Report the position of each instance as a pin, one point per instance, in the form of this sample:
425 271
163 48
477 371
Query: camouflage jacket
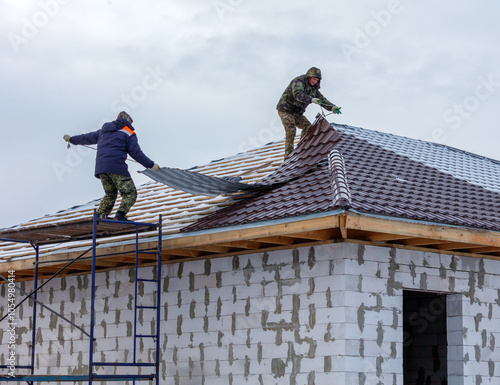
298 95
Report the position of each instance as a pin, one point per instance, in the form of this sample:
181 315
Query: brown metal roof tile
319 141
380 181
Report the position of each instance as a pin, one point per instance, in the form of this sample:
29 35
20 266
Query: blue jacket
114 141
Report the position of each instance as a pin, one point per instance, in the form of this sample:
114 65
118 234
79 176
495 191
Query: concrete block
330 378
175 284
454 326
383 254
298 287
319 269
435 283
431 271
170 270
488 295
316 364
406 257
119 330
279 257
254 291
268 304
366 268
454 305
492 267
325 316
373 318
373 285
354 282
338 298
232 278
201 281
355 299
455 379
195 267
318 299
230 307
330 283
223 264
353 331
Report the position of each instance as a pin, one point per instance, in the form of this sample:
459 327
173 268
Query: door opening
425 348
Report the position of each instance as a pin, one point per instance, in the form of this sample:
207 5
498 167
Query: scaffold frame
92 364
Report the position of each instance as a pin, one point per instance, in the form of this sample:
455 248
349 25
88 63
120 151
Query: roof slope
387 175
177 208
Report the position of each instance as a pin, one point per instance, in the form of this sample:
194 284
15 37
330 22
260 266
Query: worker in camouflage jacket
302 91
115 140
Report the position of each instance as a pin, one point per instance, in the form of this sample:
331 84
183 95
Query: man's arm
328 105
136 153
299 93
89 138
324 100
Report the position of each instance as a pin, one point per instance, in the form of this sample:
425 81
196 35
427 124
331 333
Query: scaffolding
77 231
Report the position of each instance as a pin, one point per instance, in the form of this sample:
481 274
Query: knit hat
124 115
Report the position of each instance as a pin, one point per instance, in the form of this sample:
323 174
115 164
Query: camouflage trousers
112 183
290 121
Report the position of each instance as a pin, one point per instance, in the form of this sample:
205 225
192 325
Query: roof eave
302 231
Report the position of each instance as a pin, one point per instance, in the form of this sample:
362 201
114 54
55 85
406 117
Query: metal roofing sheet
315 146
197 183
319 141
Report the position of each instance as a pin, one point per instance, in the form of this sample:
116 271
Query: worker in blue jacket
115 140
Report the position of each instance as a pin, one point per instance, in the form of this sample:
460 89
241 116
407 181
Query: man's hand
66 137
336 110
156 168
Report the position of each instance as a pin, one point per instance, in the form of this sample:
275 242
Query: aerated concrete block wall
330 314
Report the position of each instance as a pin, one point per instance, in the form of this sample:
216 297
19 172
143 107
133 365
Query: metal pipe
92 296
45 307
47 281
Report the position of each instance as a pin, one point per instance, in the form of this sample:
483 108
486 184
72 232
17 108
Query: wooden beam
421 242
454 246
247 245
277 240
423 230
102 262
211 249
386 237
180 253
318 235
484 250
252 233
342 226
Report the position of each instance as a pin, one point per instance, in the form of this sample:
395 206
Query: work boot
120 217
100 217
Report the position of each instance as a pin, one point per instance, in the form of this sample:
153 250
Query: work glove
156 168
336 110
66 137
316 101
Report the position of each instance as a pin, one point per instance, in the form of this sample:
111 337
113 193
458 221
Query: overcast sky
201 78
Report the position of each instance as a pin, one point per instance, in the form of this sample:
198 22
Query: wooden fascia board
422 230
252 232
